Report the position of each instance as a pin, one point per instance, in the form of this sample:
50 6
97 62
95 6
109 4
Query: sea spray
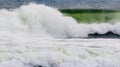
27 39
48 22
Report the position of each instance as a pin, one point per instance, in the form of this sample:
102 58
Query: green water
92 16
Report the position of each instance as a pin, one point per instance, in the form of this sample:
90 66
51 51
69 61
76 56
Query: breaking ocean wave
48 22
34 36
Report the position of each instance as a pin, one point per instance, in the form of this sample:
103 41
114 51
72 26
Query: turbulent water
35 36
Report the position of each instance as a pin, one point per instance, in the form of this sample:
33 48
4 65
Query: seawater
38 35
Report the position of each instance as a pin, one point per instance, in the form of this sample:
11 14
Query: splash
47 22
28 39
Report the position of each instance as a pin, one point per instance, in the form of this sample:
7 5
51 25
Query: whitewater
41 36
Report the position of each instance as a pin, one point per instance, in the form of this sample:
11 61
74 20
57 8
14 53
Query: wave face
29 37
47 22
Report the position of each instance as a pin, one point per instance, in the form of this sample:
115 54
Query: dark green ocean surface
93 15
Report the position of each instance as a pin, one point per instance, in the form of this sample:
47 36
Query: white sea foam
23 52
27 39
44 21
